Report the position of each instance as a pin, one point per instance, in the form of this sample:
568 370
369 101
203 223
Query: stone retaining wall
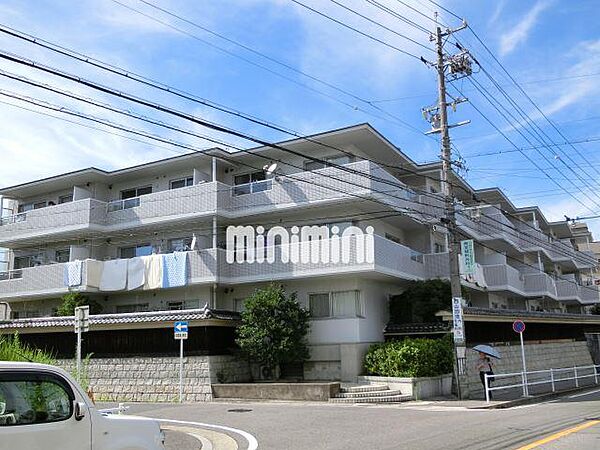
538 356
156 379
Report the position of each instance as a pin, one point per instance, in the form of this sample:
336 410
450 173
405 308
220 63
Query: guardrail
554 377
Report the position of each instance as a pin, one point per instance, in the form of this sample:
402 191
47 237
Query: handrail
552 380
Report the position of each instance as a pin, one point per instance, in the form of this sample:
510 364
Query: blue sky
551 47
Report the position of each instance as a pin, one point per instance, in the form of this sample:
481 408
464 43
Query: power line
391 118
380 25
362 33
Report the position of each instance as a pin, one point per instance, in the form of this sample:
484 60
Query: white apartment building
187 202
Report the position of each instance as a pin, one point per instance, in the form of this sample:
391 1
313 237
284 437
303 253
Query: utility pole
457 66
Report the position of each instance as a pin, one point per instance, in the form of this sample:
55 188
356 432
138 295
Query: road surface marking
209 439
252 442
585 393
560 434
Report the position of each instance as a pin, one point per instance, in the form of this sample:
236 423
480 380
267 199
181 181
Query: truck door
38 412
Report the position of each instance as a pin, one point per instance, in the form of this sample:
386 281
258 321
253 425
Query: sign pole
79 353
525 387
181 334
519 327
181 370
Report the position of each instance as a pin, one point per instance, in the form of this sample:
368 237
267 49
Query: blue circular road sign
518 326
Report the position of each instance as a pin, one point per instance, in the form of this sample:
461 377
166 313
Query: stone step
388 399
364 388
382 393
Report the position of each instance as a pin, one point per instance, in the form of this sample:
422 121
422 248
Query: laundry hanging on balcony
114 275
72 273
174 269
153 271
135 273
94 272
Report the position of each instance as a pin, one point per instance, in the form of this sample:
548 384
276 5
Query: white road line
584 394
252 442
206 444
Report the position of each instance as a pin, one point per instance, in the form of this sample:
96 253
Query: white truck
44 408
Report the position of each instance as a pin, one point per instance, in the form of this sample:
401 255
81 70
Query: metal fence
548 378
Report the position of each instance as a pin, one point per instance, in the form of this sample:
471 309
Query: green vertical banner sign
467 248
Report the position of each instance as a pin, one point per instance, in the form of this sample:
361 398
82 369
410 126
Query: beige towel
94 272
153 271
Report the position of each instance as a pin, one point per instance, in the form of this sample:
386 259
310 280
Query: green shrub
410 358
74 299
274 328
12 349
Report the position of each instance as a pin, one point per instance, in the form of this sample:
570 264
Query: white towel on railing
174 269
72 273
153 271
94 272
135 273
114 275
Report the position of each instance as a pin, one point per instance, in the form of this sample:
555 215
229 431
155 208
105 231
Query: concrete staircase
369 394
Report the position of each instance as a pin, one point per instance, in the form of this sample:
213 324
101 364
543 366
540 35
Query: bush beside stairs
378 393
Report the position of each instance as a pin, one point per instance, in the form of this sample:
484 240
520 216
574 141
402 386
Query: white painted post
486 387
524 373
596 374
180 370
79 349
552 379
576 379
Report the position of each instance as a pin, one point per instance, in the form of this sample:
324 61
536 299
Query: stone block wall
538 356
156 379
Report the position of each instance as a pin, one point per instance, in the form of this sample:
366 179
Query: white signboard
468 255
457 319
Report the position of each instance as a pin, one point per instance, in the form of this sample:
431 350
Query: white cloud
520 32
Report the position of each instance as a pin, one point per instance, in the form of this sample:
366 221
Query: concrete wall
538 357
148 379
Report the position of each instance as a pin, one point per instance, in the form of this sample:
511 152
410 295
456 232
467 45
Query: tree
274 328
74 299
420 302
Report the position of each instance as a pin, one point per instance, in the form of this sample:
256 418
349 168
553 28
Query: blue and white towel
174 269
114 275
72 274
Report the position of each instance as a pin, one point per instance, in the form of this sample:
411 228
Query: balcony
47 281
502 277
327 185
90 215
389 258
187 202
58 219
486 224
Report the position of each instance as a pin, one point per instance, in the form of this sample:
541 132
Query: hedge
410 358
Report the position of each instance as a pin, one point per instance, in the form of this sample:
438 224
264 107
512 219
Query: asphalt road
416 425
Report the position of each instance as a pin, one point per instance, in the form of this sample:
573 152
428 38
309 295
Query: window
239 304
65 199
135 251
29 206
180 244
135 192
250 183
336 304
393 238
62 255
34 398
138 307
182 182
335 160
438 248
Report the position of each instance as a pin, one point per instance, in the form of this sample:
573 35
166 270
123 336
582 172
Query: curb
534 399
